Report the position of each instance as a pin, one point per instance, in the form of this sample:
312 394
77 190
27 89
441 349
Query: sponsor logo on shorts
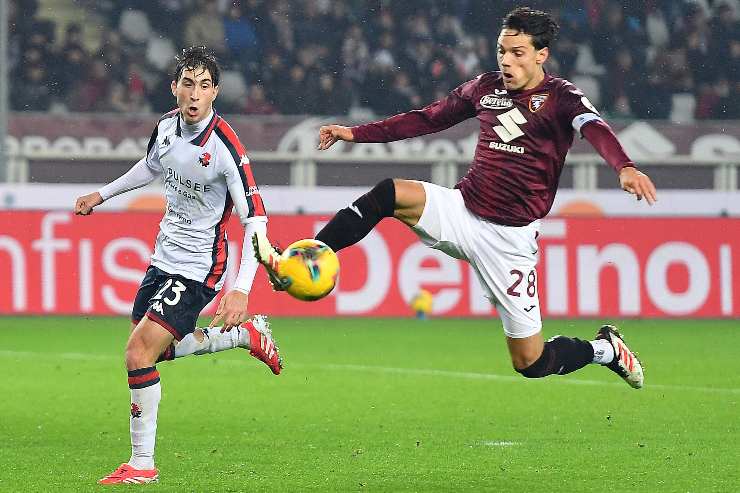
157 307
135 410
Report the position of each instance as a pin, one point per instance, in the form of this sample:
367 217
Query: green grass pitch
375 405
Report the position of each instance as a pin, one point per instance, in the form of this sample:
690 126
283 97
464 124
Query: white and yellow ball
311 267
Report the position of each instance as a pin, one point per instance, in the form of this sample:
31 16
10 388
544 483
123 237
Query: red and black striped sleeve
239 155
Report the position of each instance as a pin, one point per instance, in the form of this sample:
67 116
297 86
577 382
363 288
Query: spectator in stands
330 101
724 32
91 93
112 52
292 97
614 30
431 45
242 43
655 96
33 93
205 27
280 20
621 85
71 67
401 97
355 55
726 107
117 100
257 103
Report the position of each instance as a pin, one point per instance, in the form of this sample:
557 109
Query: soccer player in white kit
528 120
206 174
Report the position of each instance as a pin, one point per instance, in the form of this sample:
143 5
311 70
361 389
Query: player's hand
232 310
85 204
330 134
637 183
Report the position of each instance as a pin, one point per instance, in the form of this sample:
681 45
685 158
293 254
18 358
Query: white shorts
503 257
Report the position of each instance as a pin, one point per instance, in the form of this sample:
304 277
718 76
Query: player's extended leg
254 335
559 355
535 358
402 199
145 344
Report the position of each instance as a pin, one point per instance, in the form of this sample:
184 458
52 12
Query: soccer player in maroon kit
528 119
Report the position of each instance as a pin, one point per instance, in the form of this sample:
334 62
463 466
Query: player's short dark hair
197 57
538 24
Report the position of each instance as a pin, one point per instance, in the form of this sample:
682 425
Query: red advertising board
58 263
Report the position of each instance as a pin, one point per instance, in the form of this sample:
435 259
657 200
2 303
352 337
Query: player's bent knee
137 352
410 200
521 361
136 357
536 369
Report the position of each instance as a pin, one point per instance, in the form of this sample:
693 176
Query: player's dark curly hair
538 24
197 57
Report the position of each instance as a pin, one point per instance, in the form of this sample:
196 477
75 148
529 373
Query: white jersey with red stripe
206 173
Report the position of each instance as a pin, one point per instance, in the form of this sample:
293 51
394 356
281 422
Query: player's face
519 61
195 93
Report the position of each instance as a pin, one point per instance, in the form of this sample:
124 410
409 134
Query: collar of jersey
202 137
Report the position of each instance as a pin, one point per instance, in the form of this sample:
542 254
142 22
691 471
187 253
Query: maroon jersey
524 137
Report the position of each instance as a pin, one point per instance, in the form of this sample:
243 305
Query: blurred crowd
650 59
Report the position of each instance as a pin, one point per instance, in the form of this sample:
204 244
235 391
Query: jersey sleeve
440 115
575 109
246 197
152 151
143 172
237 172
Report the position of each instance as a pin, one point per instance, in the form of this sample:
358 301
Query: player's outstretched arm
85 204
330 134
601 136
638 184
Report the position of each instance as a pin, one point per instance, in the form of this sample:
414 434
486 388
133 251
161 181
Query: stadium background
88 78
372 399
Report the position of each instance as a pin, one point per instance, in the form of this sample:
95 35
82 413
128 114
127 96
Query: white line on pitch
399 371
508 378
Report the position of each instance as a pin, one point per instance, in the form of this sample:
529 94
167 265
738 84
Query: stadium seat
232 87
160 52
134 26
684 104
590 87
585 62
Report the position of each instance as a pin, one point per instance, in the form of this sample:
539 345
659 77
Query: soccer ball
310 268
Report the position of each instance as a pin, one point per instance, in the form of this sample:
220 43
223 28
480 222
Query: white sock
143 421
603 351
213 341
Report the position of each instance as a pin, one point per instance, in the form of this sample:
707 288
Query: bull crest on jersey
537 101
205 159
